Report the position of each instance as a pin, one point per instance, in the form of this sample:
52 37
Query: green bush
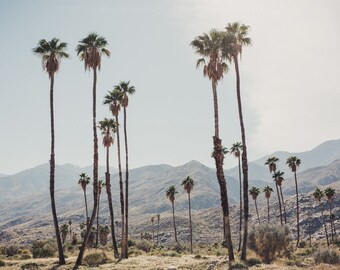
30 266
11 250
270 241
198 256
2 263
253 261
95 259
44 249
237 266
144 245
302 244
330 256
131 242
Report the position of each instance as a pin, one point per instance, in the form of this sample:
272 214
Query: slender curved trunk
126 187
219 157
241 205
52 173
331 220
157 232
257 213
86 210
109 199
279 197
121 188
268 210
153 232
283 206
97 234
190 223
244 163
297 211
324 223
95 175
173 218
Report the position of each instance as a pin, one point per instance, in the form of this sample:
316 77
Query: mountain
322 155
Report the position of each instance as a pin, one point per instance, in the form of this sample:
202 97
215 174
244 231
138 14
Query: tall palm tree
158 219
271 162
170 194
113 99
236 37
101 184
267 192
64 232
51 52
318 194
153 231
108 128
90 50
254 192
84 180
209 47
293 163
125 89
278 178
188 184
236 151
330 193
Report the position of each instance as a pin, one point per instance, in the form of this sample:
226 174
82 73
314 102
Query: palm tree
236 151
278 178
209 47
113 99
188 185
330 193
125 89
158 219
90 50
70 224
101 184
153 233
103 233
170 194
108 128
235 38
51 52
84 180
271 162
267 192
318 194
64 231
254 192
293 163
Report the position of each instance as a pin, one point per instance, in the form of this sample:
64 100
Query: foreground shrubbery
95 259
325 255
270 241
2 263
44 249
144 245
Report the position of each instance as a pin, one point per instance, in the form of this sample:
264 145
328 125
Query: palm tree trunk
257 212
153 233
244 163
52 169
95 174
331 221
157 232
97 234
126 186
324 224
173 218
268 210
109 199
86 210
123 240
283 205
219 157
241 205
279 197
297 211
190 223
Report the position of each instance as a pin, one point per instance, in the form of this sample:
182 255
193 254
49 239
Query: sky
289 79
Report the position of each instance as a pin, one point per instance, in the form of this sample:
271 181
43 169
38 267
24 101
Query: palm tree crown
91 49
171 192
124 89
113 99
188 184
84 180
254 192
51 52
267 191
236 149
278 177
271 162
318 194
330 193
107 127
209 46
293 163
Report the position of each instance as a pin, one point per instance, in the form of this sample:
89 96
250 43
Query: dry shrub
144 245
44 249
95 259
270 241
2 263
325 255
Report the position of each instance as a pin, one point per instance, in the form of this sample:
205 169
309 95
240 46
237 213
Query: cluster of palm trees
329 193
188 185
90 50
218 49
153 218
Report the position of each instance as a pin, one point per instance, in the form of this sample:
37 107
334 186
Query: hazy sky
290 79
